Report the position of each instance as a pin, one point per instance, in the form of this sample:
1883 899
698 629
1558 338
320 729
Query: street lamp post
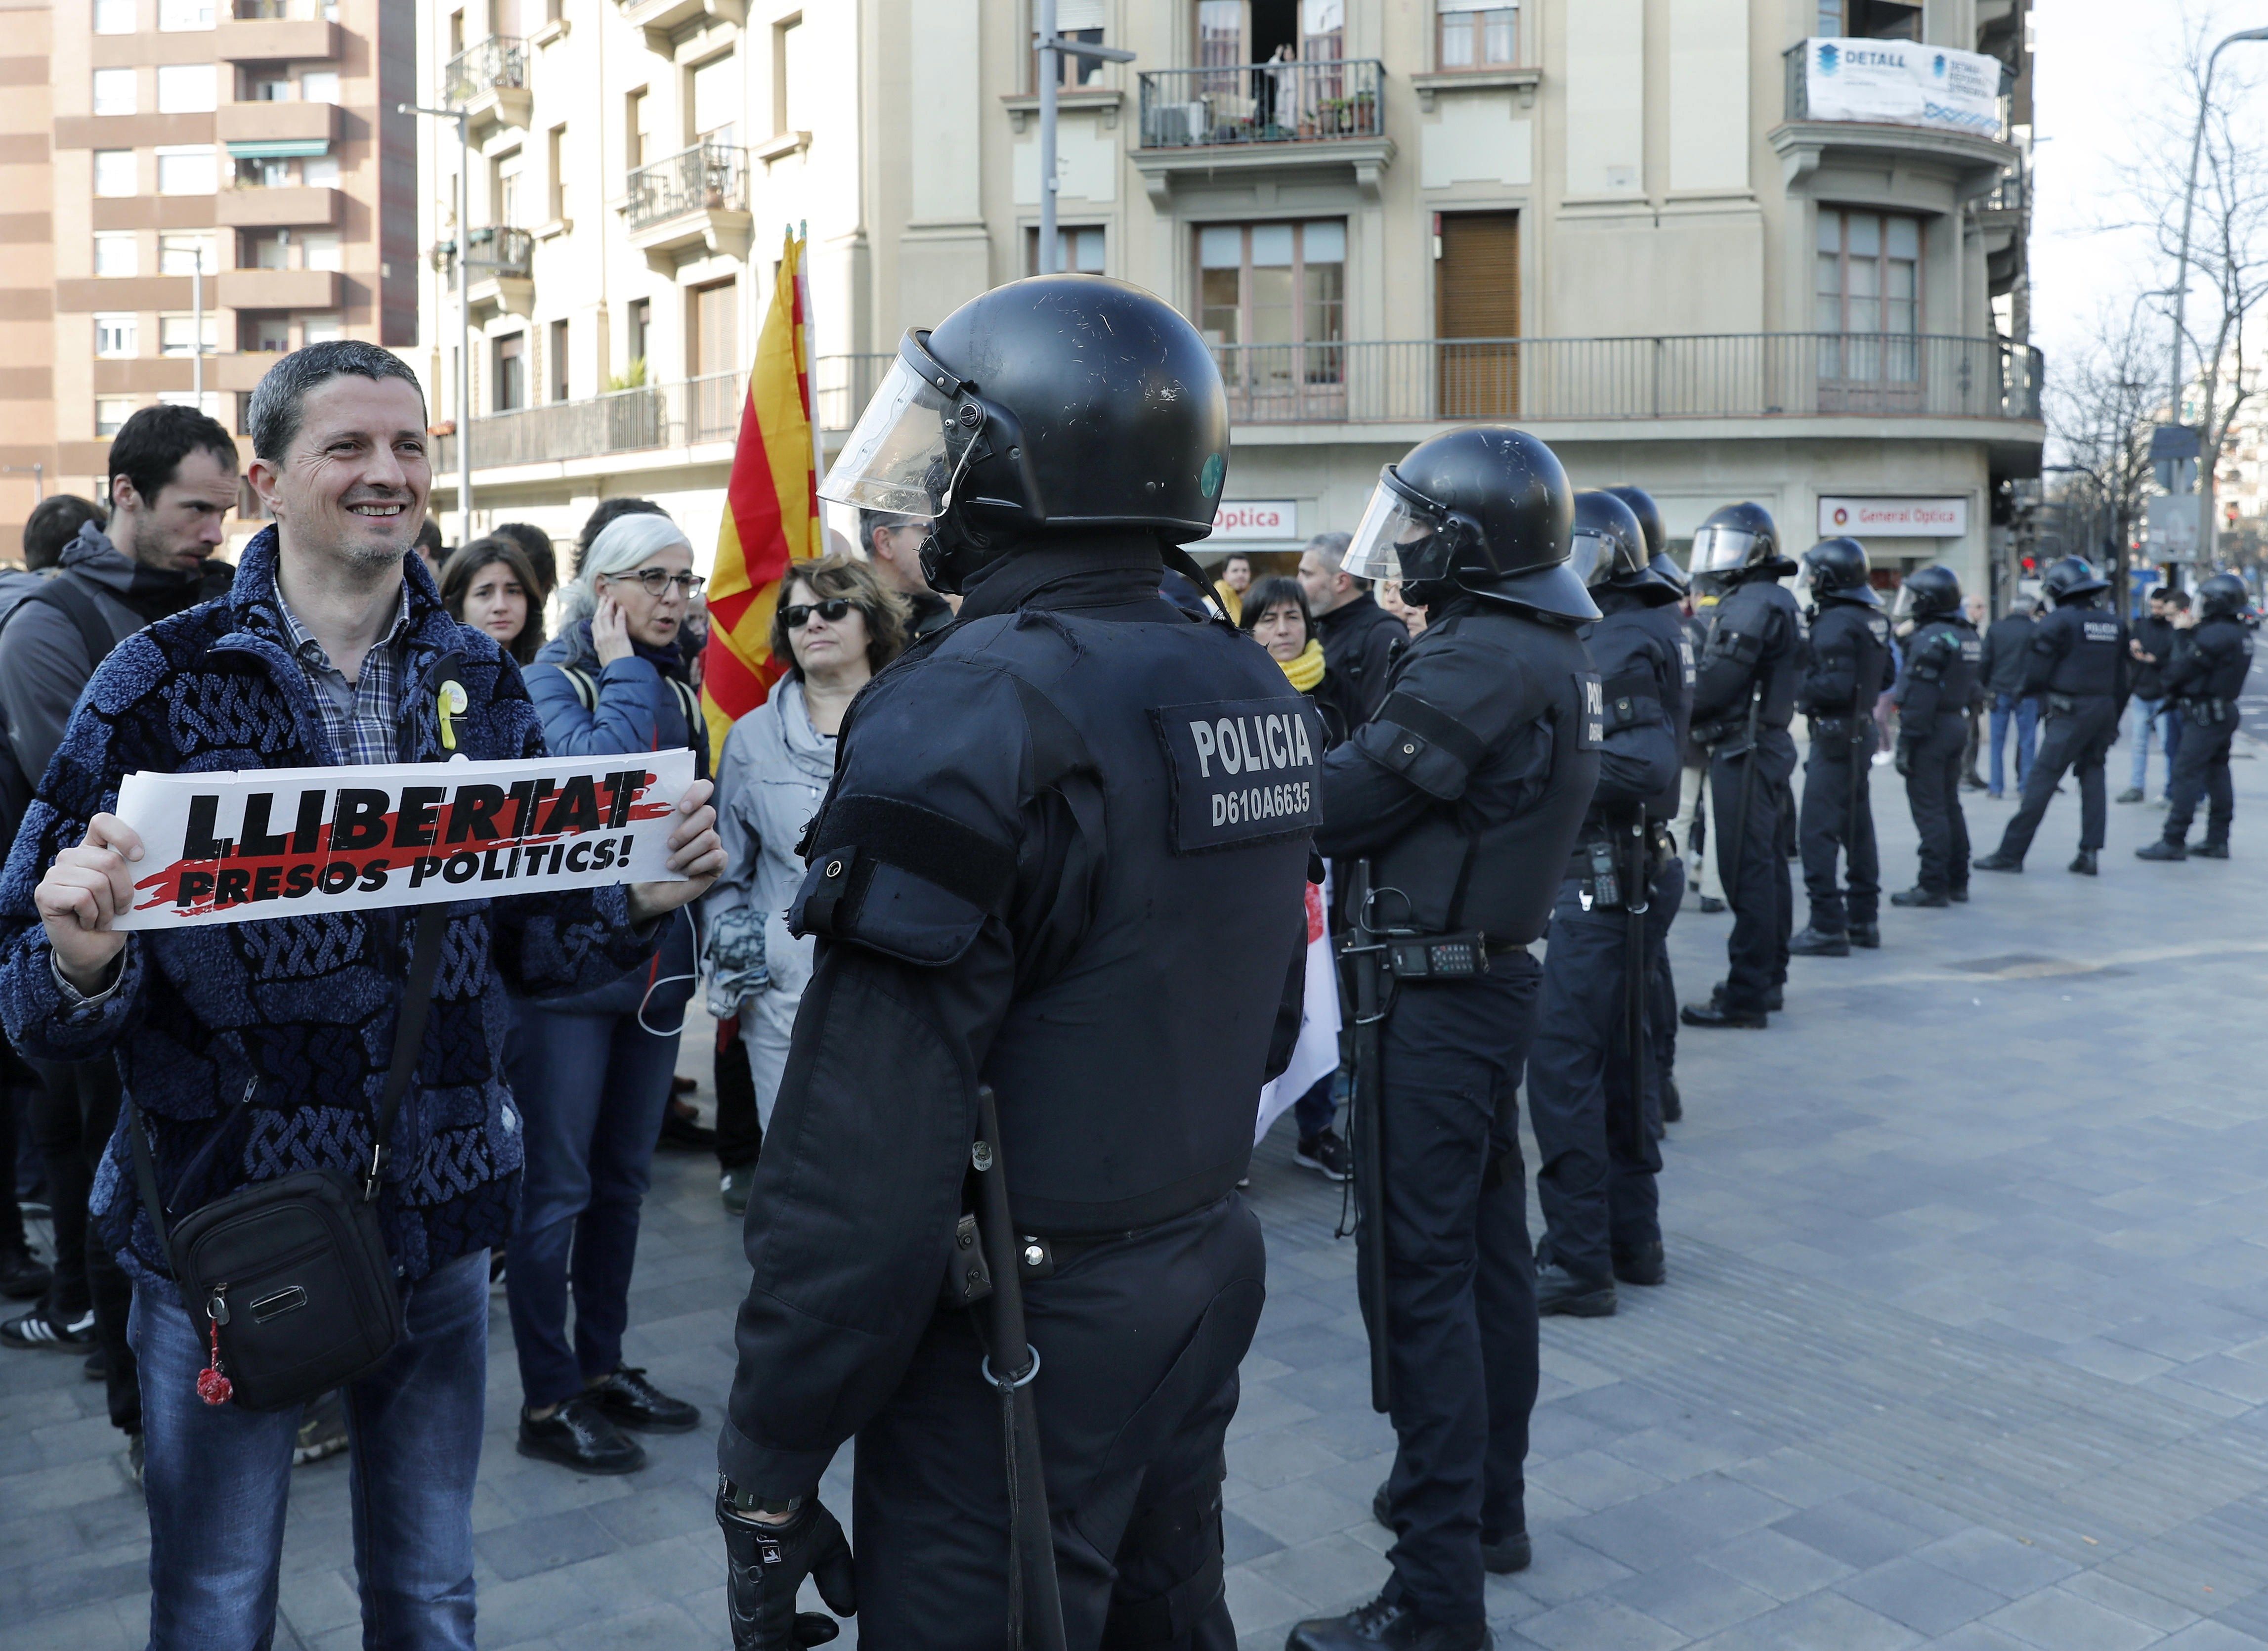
464 309
1053 49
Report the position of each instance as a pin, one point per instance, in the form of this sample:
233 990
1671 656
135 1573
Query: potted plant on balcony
1365 114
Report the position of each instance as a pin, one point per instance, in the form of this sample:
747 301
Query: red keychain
213 1386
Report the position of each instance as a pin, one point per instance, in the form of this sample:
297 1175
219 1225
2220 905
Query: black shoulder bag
291 1275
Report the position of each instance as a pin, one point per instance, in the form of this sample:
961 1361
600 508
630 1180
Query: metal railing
286 11
1735 375
499 62
650 416
1262 103
496 250
708 177
1798 58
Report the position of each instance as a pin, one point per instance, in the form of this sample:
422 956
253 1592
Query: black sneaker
1501 1556
1812 941
2210 852
579 1435
1868 935
97 1368
1640 1264
1327 1155
1919 897
322 1429
21 1277
2133 793
2161 850
36 1331
629 1400
1996 861
1560 1291
2083 864
1710 905
1391 1623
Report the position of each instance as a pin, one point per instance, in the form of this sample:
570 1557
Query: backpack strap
586 692
68 593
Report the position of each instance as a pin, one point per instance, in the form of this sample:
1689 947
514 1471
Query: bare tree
2099 410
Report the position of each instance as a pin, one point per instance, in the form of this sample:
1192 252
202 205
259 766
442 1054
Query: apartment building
27 422
1724 249
221 180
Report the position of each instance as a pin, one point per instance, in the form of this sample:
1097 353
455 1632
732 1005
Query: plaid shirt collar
362 718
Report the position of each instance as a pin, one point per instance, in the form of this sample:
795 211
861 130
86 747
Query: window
1870 19
113 92
269 89
111 413
115 255
715 100
320 249
177 334
1256 30
188 169
560 379
114 17
511 388
641 331
185 14
1272 283
319 172
1478 34
1075 20
639 142
1866 289
263 335
209 403
271 250
116 335
503 191
113 172
791 77
187 89
186 254
320 85
321 329
560 214
1078 250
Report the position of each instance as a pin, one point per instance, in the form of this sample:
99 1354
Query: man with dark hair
53 523
2151 647
541 556
259 1050
892 544
1359 638
430 548
604 512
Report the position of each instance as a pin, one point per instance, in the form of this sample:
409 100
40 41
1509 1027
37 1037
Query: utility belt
1727 729
2207 713
968 1275
1424 959
1600 867
1843 724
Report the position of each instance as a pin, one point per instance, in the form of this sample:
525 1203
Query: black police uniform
1467 790
1597 1157
1943 679
2204 676
1668 896
1851 666
1755 653
1085 888
2078 668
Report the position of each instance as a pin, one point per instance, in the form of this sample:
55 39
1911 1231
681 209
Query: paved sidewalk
1966 1341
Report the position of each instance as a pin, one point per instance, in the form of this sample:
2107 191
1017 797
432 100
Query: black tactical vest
2226 645
1959 661
1764 611
2090 664
1668 624
1642 680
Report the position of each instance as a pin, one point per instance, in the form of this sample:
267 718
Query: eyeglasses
657 581
834 610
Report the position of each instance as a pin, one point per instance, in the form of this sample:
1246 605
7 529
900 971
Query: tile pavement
1966 1343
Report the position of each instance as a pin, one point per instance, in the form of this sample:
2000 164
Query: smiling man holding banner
316 1156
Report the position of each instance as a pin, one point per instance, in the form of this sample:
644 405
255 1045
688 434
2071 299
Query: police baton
1365 951
1034 1600
1638 900
1740 843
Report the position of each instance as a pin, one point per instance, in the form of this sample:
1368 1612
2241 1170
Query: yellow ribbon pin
453 702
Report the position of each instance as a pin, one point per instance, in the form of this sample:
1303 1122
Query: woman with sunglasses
835 626
592 1073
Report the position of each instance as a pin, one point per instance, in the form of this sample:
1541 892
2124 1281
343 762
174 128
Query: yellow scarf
1229 599
1307 669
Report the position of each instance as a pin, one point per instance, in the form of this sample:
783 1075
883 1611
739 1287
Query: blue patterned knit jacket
254 1049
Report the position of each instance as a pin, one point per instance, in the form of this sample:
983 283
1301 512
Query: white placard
1894 518
1256 518
1902 83
275 843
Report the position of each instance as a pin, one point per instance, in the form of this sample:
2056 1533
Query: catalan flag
771 509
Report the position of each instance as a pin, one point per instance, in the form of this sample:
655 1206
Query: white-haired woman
592 1073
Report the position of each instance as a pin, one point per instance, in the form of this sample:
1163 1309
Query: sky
2106 74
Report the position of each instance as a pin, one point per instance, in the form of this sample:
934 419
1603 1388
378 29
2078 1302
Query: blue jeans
2025 710
1318 1110
2161 715
217 1476
592 1089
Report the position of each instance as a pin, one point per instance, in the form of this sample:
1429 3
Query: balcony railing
1738 375
708 177
1262 103
286 11
497 251
1798 59
498 63
681 415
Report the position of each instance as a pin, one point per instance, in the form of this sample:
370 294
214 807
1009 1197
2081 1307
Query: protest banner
239 846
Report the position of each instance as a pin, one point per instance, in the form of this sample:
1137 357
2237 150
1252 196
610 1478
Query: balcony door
712 360
1274 68
1271 300
1866 308
1476 301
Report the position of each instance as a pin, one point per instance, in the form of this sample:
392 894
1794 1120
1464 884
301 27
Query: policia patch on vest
1243 770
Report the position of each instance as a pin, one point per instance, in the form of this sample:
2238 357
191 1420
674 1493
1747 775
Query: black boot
1393 1623
2084 864
2210 852
21 1277
1640 1264
1775 997
1959 896
1920 897
1997 862
2161 850
1714 1013
1813 942
1560 1291
1673 1104
1710 903
1867 934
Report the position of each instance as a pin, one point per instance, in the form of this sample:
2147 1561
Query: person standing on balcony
892 544
1360 639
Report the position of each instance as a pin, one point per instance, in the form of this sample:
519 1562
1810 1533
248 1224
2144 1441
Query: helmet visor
1592 558
1393 541
897 458
1723 549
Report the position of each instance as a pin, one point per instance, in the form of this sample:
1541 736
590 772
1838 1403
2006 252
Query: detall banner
1902 83
277 842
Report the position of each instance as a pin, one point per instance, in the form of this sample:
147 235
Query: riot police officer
1944 679
1055 930
1743 700
2213 655
1850 665
1464 796
2078 664
1590 1097
1669 622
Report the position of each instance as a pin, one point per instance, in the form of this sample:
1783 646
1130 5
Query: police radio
1438 956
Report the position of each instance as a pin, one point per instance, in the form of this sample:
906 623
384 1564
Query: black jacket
2159 639
1943 674
1642 674
2211 660
1851 662
2007 646
1757 641
1361 640
2081 652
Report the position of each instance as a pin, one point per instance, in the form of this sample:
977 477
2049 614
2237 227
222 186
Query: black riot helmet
1740 542
2072 579
1932 590
2222 595
1061 402
1610 551
1838 571
1486 509
1657 537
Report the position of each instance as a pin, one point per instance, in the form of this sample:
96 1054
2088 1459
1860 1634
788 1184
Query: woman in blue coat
592 1073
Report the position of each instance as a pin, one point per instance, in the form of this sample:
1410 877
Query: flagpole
811 376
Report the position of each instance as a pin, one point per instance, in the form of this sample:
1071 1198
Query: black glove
766 1563
1904 760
